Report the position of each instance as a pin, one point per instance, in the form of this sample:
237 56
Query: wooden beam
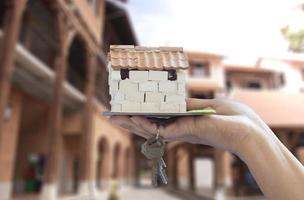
12 24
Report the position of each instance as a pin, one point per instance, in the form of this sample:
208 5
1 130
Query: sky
241 29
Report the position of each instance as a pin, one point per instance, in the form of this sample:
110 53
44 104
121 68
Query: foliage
295 39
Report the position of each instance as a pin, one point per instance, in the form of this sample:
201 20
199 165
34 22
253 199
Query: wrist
258 143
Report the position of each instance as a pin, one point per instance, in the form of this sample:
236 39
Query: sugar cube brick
128 86
115 75
174 98
138 75
135 96
128 106
158 75
148 86
150 107
167 86
155 97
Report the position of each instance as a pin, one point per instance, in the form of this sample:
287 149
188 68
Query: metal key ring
157 132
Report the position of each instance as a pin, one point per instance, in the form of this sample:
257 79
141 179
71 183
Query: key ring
157 132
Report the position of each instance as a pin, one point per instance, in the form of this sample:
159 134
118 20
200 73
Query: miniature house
144 79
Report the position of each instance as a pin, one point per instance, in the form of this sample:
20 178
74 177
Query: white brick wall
119 97
155 97
150 107
174 98
129 106
148 86
127 86
115 107
115 75
167 86
139 75
135 96
114 86
158 75
169 107
147 91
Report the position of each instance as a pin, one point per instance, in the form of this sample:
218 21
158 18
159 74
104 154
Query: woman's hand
234 127
230 128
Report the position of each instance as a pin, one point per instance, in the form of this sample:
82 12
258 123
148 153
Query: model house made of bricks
145 79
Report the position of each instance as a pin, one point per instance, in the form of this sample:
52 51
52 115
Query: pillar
222 178
192 151
172 167
8 149
136 164
87 184
50 190
12 24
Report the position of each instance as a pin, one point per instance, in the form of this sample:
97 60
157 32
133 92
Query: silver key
162 171
154 149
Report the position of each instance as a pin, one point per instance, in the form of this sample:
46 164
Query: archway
116 159
76 73
101 165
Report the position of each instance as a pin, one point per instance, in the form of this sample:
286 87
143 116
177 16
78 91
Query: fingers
193 104
222 106
178 129
126 122
145 124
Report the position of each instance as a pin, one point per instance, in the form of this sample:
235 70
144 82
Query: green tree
295 39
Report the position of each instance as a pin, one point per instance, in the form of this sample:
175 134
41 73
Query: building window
124 74
201 69
254 85
172 76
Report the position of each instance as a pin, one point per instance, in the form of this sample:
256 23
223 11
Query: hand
231 128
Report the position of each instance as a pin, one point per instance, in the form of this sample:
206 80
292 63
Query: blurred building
53 89
273 87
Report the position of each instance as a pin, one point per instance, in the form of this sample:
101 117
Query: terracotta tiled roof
277 108
147 58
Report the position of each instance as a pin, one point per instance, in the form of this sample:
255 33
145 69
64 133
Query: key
154 149
162 171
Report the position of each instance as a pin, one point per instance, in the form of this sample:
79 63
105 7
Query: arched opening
116 159
38 31
76 73
101 167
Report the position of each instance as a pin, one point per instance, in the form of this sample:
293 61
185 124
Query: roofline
205 55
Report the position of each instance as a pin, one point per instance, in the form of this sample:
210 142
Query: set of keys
154 149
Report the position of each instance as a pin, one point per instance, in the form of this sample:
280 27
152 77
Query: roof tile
145 58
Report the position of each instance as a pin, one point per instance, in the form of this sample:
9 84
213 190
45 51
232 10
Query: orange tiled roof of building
276 108
147 58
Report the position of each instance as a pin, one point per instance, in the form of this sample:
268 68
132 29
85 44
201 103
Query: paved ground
145 194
